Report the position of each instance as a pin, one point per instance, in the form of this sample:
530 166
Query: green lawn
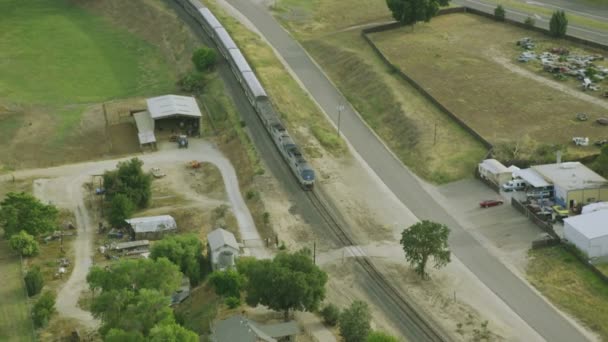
53 52
570 285
15 324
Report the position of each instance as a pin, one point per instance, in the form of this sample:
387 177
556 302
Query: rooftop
494 166
145 127
220 238
152 223
571 175
132 244
239 328
172 105
592 225
531 177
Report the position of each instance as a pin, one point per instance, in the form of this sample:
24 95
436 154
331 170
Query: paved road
525 302
541 20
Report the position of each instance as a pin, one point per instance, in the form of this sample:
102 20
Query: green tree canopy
378 336
34 281
121 208
601 162
172 333
134 274
409 12
186 251
119 335
227 283
558 25
43 309
288 282
130 180
423 240
499 13
204 58
355 322
21 211
24 244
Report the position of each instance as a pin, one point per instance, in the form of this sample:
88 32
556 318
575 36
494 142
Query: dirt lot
460 60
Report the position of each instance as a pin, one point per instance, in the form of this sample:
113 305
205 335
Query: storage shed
151 227
223 249
494 171
589 233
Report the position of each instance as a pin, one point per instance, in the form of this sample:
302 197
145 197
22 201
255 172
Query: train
254 91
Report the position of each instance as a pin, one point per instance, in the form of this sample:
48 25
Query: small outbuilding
494 171
223 249
239 328
151 227
589 233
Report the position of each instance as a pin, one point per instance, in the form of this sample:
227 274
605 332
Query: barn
223 249
589 232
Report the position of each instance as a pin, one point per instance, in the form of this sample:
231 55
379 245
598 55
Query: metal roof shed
168 106
220 238
589 232
145 127
151 227
225 38
239 60
210 18
254 85
531 177
223 249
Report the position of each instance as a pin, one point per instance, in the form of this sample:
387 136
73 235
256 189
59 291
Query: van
514 185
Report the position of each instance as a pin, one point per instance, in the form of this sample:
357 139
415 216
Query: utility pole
340 109
314 252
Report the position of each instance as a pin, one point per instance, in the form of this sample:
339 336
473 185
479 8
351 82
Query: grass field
466 63
424 138
566 282
15 323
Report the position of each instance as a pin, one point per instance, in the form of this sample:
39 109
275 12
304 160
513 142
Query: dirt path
63 186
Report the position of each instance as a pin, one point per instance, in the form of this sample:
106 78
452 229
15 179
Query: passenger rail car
253 89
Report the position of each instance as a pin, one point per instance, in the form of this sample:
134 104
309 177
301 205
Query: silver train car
256 94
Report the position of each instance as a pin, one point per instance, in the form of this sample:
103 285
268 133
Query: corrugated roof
172 105
220 238
152 223
132 244
494 166
145 127
592 225
238 328
254 84
531 177
571 175
239 60
225 38
210 18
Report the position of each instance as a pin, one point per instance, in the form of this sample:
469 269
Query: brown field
468 63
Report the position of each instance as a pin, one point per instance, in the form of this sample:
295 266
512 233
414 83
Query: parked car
560 211
514 185
490 203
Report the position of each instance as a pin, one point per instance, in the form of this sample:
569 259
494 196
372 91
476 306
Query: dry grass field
468 63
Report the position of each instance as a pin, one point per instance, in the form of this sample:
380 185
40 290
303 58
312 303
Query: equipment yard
469 64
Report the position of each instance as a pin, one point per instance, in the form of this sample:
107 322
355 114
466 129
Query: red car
490 203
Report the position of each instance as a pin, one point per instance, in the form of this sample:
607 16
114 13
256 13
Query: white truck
514 185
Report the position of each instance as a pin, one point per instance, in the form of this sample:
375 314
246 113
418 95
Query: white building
223 249
589 233
151 227
494 171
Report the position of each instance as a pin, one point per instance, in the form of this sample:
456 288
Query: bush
34 281
204 58
530 22
227 283
121 208
499 13
378 336
24 244
43 309
558 24
130 180
193 82
330 314
355 322
233 302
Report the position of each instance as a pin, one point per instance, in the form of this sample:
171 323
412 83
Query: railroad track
422 330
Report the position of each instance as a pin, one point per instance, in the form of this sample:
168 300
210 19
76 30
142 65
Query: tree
423 240
193 82
226 283
378 336
499 13
33 281
121 208
24 244
288 282
130 180
409 12
21 211
355 322
172 333
601 162
530 22
186 251
204 58
331 314
558 24
119 335
43 309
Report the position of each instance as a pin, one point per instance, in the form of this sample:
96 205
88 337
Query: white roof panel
152 223
239 60
531 177
172 105
254 84
571 175
210 18
225 38
220 238
145 127
494 166
592 225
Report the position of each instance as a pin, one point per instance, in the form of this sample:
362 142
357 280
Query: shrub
226 283
121 208
193 82
233 302
558 24
24 244
43 309
355 322
34 281
330 314
204 58
378 336
499 13
530 22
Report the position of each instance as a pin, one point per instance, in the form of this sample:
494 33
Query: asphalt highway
523 300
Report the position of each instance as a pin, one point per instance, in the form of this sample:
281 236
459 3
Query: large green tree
43 309
121 208
355 322
423 240
186 251
601 162
24 244
288 282
409 12
33 281
119 335
227 283
172 333
558 25
130 180
21 211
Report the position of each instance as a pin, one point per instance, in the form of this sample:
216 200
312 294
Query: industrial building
589 233
151 227
223 249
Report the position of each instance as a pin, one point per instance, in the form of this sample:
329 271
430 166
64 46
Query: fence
545 226
585 261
